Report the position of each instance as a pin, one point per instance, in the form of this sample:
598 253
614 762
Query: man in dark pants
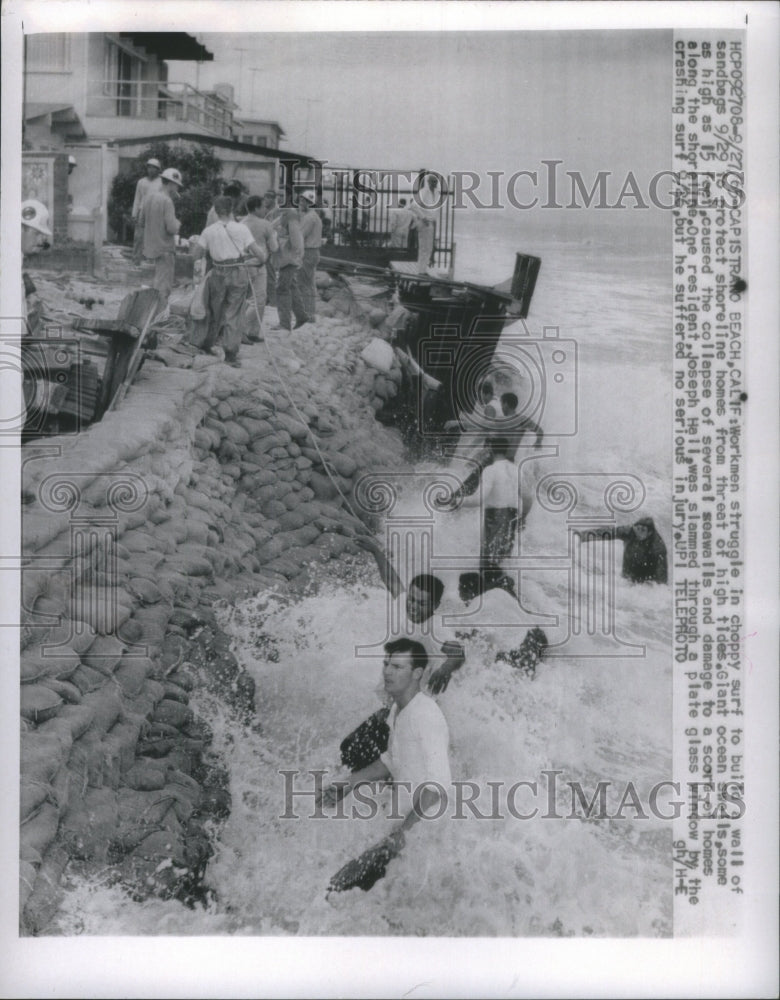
287 261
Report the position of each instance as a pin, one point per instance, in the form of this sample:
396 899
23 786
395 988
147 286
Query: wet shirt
158 216
499 487
644 561
418 748
226 240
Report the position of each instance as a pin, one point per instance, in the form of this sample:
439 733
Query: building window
122 76
48 52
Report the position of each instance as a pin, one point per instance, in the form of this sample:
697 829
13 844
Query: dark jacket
643 561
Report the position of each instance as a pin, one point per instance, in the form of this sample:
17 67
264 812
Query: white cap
154 163
310 196
172 174
72 161
36 216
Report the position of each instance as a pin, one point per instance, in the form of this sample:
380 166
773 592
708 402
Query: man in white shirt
416 760
227 242
424 208
145 186
400 221
499 498
232 190
265 237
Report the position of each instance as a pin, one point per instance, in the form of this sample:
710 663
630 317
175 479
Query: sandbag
42 755
39 829
104 654
77 718
102 609
130 632
343 464
145 777
297 430
323 487
72 634
237 434
87 679
131 674
181 678
38 703
304 535
27 876
107 707
160 844
42 903
89 824
145 590
139 807
174 692
189 566
173 713
35 665
379 354
225 410
120 745
69 693
32 795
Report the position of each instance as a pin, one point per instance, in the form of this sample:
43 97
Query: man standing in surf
416 760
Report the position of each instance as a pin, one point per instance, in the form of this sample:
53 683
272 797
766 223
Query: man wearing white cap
145 186
35 235
35 226
160 226
304 284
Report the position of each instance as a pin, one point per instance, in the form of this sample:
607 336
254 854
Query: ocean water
594 716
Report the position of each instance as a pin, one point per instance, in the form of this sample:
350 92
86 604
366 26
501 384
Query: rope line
300 416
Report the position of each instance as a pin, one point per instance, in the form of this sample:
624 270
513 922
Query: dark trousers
498 534
365 744
227 294
288 297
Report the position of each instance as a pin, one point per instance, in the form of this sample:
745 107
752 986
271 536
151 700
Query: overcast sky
458 100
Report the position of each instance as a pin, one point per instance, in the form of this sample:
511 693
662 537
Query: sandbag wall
203 482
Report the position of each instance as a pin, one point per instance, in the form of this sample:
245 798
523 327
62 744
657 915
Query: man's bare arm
455 658
389 576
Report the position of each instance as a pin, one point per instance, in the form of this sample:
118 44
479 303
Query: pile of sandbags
207 479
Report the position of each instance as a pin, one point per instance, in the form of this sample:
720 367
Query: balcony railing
154 99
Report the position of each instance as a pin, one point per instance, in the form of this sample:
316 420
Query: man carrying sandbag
227 243
416 760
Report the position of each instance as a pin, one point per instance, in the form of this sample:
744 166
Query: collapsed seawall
207 483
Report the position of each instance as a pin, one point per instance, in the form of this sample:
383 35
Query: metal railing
161 100
362 207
